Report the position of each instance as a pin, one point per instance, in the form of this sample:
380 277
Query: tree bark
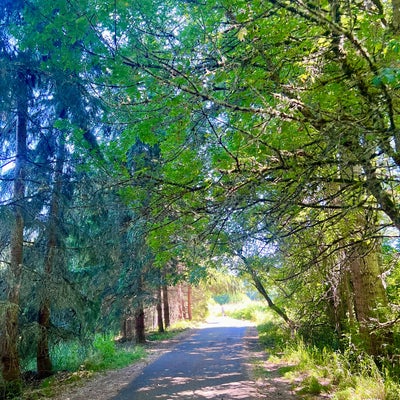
140 336
370 298
9 350
44 364
160 321
127 328
261 289
167 318
181 300
189 299
43 360
179 295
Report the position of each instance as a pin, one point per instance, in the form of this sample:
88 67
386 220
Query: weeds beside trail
320 370
75 362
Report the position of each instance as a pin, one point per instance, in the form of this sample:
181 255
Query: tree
52 257
10 358
273 138
228 124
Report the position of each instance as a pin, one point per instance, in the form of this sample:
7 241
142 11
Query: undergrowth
106 355
345 375
74 361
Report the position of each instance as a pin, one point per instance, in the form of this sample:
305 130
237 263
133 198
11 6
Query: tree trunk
167 319
370 300
140 336
189 299
128 333
261 289
43 360
9 345
179 294
340 299
181 300
160 321
44 364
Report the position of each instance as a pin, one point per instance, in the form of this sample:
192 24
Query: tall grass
347 375
252 311
101 354
172 331
69 356
105 354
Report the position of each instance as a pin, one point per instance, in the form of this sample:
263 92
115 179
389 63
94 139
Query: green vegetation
348 374
157 154
74 361
106 355
251 311
102 354
175 329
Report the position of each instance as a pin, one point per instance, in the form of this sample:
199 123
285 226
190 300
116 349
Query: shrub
311 385
106 355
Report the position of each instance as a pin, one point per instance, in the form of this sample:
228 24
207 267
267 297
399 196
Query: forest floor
266 375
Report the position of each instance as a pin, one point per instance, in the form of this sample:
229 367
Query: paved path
210 364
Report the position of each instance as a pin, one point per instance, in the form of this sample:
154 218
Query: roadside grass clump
171 332
158 336
103 353
69 356
392 389
311 385
106 355
65 356
253 311
346 375
327 370
273 336
363 388
74 361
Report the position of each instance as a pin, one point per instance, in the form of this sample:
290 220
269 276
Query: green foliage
253 311
222 298
105 357
222 128
273 335
364 388
392 389
102 354
311 385
346 375
175 329
10 390
69 356
105 354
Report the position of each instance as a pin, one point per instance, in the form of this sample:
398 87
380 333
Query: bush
273 336
68 356
254 311
311 385
351 374
106 355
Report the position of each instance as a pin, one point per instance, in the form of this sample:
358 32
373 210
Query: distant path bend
209 364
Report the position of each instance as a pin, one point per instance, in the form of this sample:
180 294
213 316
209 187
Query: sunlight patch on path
221 322
239 390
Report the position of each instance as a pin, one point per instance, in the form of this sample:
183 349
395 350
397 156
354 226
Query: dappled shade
209 365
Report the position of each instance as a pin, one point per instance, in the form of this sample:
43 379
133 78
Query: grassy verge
348 375
172 331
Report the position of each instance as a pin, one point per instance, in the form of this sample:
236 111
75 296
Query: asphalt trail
209 364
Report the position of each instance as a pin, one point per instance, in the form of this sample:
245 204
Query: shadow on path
210 364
